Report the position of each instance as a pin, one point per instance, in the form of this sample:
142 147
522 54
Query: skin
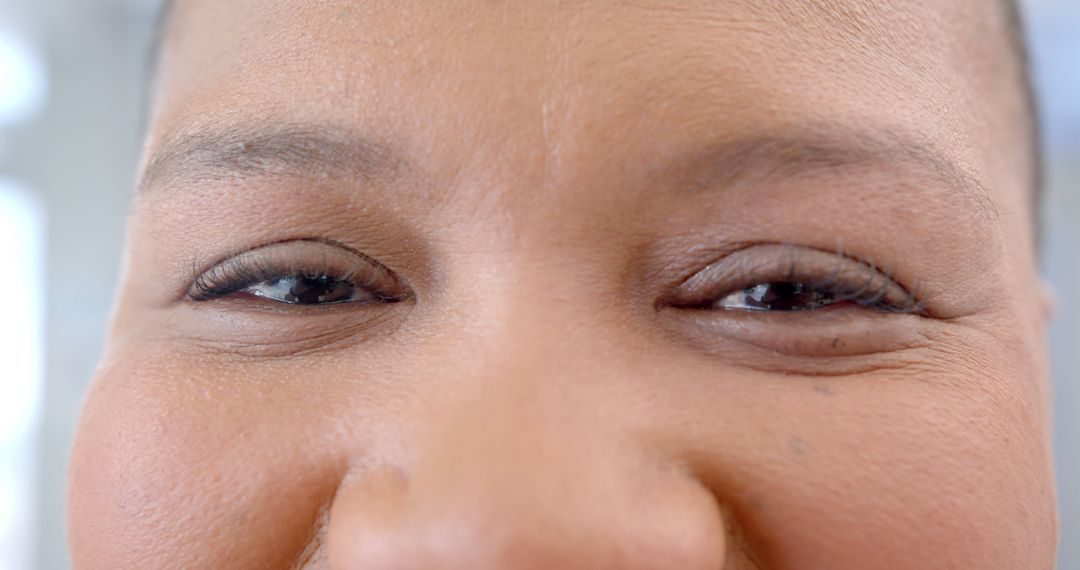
553 190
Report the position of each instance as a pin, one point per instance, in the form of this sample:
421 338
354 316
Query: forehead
541 80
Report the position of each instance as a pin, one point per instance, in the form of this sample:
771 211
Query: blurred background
71 79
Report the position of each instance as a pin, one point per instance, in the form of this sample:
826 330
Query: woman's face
590 285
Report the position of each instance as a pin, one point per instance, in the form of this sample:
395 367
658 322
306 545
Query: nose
485 494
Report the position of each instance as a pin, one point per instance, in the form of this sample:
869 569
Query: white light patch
21 328
23 81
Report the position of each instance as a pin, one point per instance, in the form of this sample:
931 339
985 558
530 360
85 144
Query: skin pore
636 285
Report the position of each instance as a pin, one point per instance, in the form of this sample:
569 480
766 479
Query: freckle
835 342
798 446
753 502
823 389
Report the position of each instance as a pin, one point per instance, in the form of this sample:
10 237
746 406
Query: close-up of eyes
788 278
301 273
764 278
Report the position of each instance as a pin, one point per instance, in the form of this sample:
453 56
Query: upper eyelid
787 261
314 240
247 261
787 258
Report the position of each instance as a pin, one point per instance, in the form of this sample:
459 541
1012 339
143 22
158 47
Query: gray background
78 156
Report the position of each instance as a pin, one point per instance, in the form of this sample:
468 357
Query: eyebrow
219 152
759 159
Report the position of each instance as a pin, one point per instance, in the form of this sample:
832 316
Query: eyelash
849 280
251 268
823 295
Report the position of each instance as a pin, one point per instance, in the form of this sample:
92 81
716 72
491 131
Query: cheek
935 463
930 469
166 470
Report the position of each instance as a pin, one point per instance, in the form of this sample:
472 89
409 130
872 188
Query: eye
311 290
301 272
783 278
779 296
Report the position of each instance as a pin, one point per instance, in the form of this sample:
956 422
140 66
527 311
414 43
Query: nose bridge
519 430
521 468
530 423
523 455
531 338
517 421
549 307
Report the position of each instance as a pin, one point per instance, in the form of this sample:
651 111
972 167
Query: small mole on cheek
797 445
823 389
753 502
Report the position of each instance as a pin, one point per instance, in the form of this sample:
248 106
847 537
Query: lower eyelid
264 330
246 302
839 332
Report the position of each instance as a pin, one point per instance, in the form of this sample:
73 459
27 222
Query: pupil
786 296
320 289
